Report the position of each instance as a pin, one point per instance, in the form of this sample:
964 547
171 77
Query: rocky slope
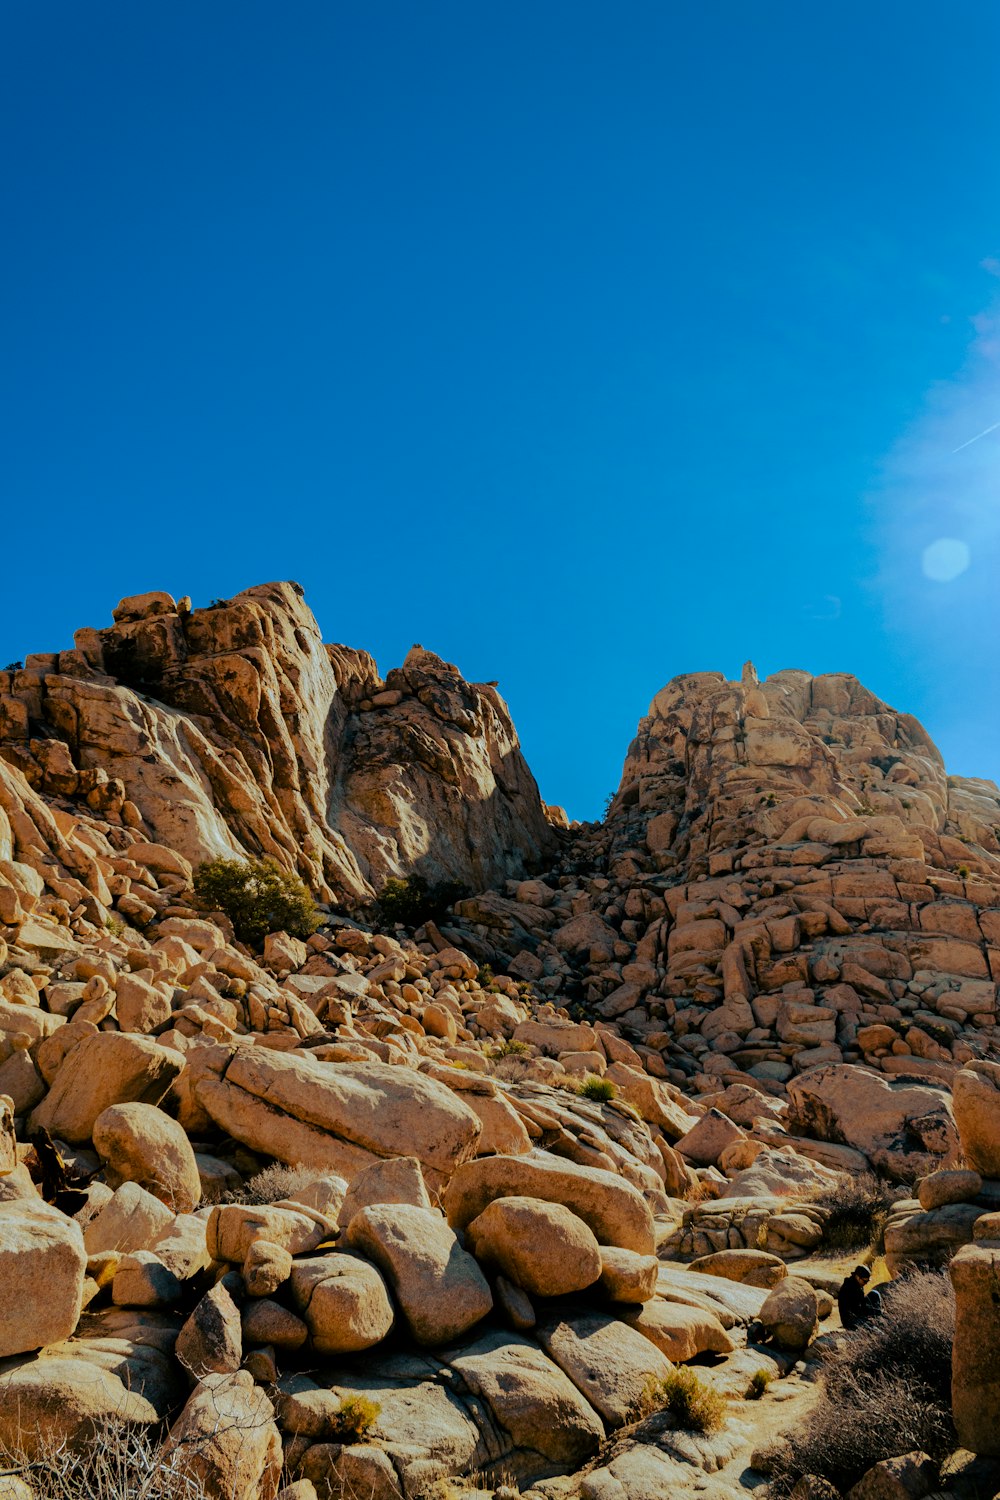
234 729
497 1176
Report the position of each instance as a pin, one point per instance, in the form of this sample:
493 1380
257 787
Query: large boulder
104 1069
211 1340
397 1180
541 1247
139 1143
790 1315
344 1302
610 1364
226 1440
614 1209
975 1361
42 1268
751 1267
976 1101
234 1227
530 1397
72 1392
379 1110
438 1285
680 1332
905 1129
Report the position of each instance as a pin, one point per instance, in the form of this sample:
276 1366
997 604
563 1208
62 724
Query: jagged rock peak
234 729
716 765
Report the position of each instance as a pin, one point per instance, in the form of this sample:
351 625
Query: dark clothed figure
855 1306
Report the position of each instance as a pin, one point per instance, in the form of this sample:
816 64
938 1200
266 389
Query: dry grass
886 1392
124 1464
274 1183
691 1402
601 1090
857 1209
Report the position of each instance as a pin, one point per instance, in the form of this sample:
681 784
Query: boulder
975 1365
976 1101
266 1267
131 1220
42 1268
909 1477
139 1143
383 1110
210 1342
71 1395
790 1315
705 1142
955 1186
679 1331
616 1211
610 1364
530 1397
226 1440
627 1277
106 1068
343 1300
234 1227
541 1247
397 1180
751 1267
904 1128
142 1280
439 1287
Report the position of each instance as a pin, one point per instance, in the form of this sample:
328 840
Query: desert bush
270 1185
759 1382
857 1210
886 1391
355 1419
413 901
506 1047
690 1400
597 1088
122 1463
258 897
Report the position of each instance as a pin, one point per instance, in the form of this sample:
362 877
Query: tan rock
610 1364
42 1267
397 1180
104 1069
975 1369
234 1227
226 1440
541 1247
751 1267
139 1143
132 1219
956 1186
615 1211
976 1101
439 1287
679 1331
791 1313
344 1302
627 1277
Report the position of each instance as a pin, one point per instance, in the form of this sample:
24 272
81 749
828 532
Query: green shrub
690 1401
594 1087
413 901
962 872
858 1208
506 1047
115 924
355 1419
258 897
14 666
759 1382
887 1391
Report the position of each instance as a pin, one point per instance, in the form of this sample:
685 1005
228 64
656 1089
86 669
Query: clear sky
583 343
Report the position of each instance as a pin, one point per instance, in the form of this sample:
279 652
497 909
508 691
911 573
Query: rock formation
409 1206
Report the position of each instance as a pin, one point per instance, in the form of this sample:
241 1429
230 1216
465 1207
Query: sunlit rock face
234 729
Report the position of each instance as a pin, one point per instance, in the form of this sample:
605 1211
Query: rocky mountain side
233 729
548 1194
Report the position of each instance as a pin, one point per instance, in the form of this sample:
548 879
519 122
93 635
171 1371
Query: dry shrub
857 1210
122 1463
691 1402
270 1185
594 1087
887 1391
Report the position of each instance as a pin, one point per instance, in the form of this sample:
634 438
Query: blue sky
585 344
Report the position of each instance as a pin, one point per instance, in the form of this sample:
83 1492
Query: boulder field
394 1208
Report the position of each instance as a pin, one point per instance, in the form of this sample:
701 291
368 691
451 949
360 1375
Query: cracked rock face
234 730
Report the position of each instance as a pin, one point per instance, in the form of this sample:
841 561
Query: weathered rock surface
42 1267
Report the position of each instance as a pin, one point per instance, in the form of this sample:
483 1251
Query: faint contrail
984 433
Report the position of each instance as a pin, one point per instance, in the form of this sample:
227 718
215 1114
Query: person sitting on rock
855 1306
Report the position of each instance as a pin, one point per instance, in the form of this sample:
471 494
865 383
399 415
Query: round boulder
956 1186
791 1314
139 1143
542 1247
